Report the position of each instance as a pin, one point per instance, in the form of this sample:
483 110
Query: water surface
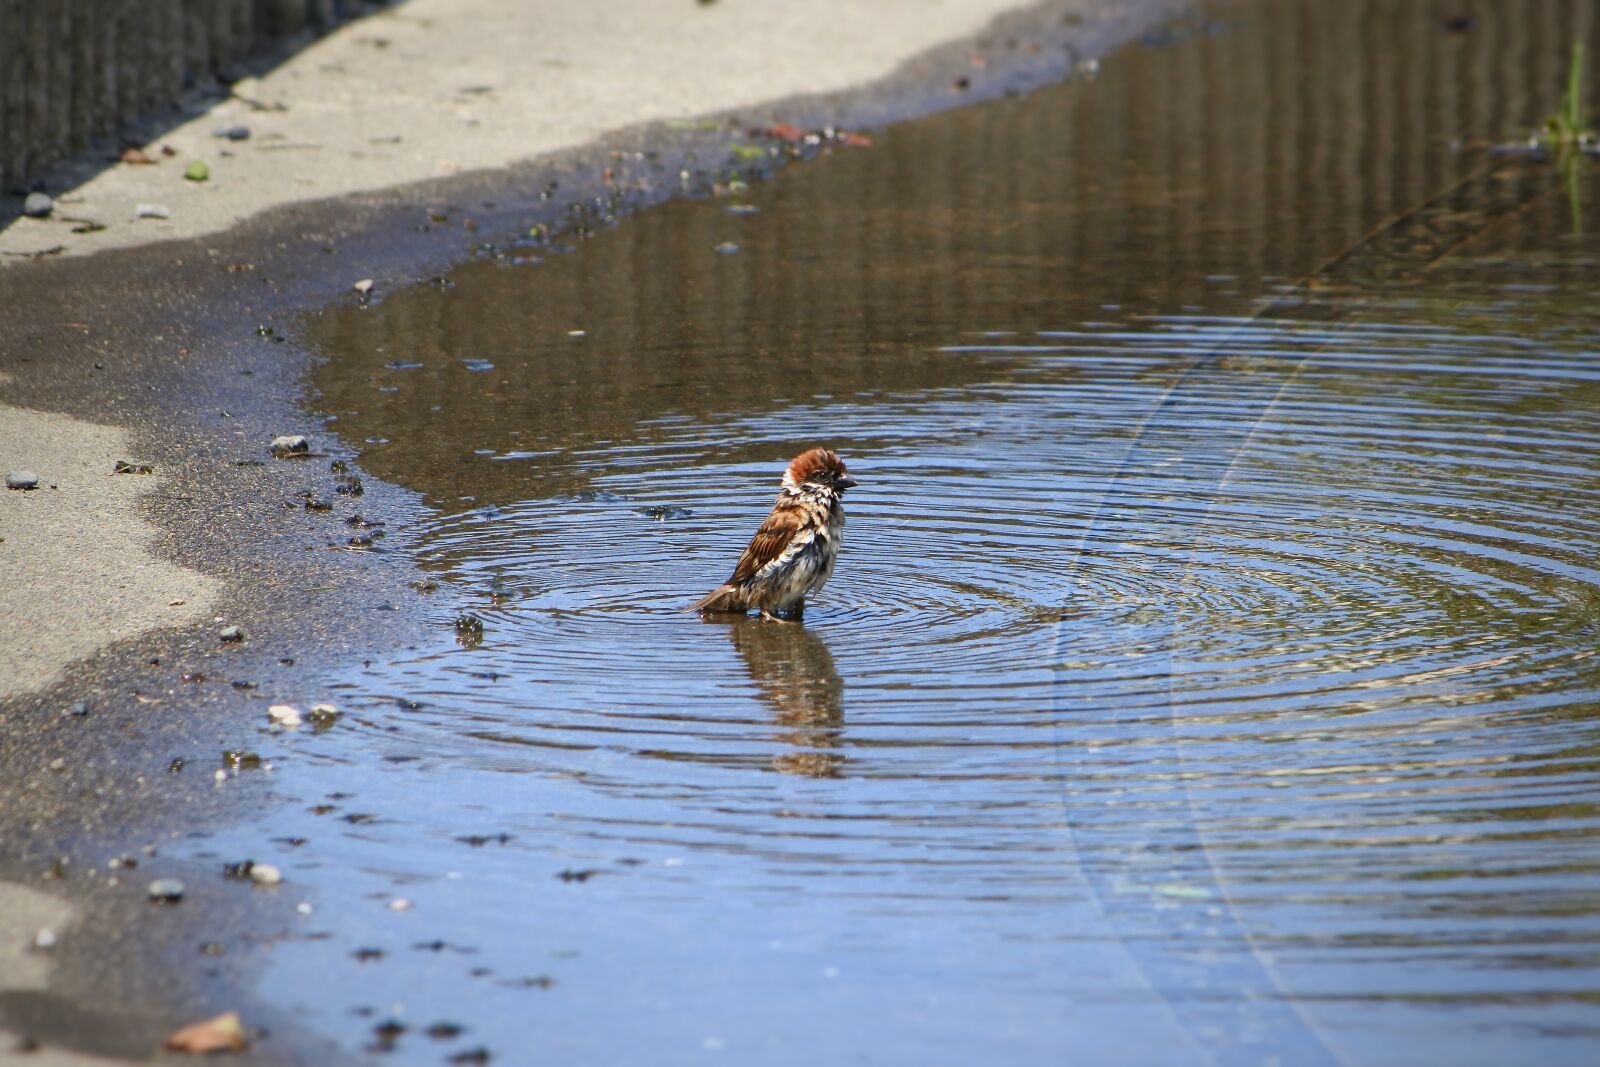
1209 675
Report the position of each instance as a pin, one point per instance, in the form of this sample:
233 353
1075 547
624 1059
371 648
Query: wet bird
794 551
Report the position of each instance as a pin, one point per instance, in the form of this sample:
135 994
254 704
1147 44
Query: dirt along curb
120 690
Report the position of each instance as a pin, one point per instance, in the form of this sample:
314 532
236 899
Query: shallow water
1209 673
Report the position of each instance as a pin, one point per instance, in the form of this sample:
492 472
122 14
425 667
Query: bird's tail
722 598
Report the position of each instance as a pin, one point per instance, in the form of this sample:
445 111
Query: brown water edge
1178 177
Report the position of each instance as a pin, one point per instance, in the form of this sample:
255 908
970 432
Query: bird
794 551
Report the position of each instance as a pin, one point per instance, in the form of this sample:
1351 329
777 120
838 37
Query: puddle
1209 671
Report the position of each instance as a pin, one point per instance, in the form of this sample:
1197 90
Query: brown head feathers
819 466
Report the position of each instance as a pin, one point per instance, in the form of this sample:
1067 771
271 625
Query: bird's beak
846 482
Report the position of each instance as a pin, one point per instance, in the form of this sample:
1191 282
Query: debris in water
662 512
166 890
225 1033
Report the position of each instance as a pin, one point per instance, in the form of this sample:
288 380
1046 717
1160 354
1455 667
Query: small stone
166 890
364 286
22 480
399 904
231 633
44 940
38 206
152 211
197 171
58 764
304 908
232 133
265 874
80 709
323 716
284 715
289 444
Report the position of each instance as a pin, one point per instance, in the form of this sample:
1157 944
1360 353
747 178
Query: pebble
364 286
265 874
22 480
197 171
81 708
45 939
232 633
304 908
152 211
58 764
38 205
284 715
399 904
232 133
166 890
289 444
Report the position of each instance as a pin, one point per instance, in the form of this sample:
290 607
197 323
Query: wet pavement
1206 677
1207 674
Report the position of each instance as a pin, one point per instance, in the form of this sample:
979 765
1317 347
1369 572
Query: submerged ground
1207 674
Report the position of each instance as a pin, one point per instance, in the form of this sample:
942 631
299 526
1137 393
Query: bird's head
819 468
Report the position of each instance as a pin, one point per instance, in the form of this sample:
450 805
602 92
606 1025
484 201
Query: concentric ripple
1253 656
1209 675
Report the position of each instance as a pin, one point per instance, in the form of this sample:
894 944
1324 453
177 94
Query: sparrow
794 551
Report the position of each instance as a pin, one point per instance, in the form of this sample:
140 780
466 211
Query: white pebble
152 211
399 904
44 940
304 908
284 715
288 444
221 776
265 874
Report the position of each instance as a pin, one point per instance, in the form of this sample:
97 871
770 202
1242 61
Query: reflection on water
1209 672
795 676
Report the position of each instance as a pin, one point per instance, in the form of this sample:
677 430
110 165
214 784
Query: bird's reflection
794 674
